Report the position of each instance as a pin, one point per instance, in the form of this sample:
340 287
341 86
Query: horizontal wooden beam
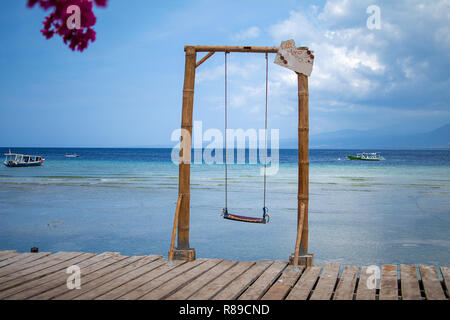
237 49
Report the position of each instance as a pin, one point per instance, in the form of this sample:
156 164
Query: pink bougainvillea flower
77 38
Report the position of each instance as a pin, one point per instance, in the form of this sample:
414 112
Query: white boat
72 155
22 160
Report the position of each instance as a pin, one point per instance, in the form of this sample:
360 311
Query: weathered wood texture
431 284
304 286
206 57
347 283
364 291
284 284
111 276
389 284
254 49
175 227
303 160
184 252
409 283
327 282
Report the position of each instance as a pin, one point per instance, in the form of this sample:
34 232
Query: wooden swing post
301 255
303 157
183 250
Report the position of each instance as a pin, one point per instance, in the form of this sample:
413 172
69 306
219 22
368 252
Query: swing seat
235 217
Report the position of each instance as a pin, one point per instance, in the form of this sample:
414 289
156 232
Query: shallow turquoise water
393 211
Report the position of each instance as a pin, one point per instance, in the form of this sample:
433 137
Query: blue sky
126 88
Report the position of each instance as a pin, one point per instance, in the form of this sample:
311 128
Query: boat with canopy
366 156
22 160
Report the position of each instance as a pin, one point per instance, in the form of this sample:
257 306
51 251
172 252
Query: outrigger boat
22 160
365 156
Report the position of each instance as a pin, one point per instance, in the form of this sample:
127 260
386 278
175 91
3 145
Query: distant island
357 139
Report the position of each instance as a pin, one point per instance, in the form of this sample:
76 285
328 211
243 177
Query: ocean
123 200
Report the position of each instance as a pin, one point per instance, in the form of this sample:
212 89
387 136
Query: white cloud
357 63
342 13
357 71
342 65
298 26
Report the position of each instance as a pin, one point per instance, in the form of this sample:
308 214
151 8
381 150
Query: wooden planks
147 287
22 258
195 285
29 261
98 278
91 273
11 258
264 282
127 274
327 281
347 283
110 276
39 270
446 278
284 284
95 287
388 284
171 286
49 281
6 254
41 274
304 286
431 284
409 283
240 284
212 288
130 286
363 292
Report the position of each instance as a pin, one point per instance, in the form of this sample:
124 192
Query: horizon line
284 148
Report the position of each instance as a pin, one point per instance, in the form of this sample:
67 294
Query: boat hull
14 165
362 159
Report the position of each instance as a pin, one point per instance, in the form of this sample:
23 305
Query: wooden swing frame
183 251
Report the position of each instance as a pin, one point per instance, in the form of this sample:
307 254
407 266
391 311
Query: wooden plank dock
111 276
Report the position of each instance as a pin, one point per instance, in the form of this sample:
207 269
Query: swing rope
225 212
226 113
265 131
